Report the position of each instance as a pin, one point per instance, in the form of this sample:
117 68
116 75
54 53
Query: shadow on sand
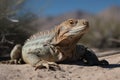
81 63
111 66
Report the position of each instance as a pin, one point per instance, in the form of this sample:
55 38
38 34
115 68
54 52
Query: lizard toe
47 65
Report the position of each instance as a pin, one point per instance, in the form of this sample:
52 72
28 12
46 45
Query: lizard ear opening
58 31
55 39
58 35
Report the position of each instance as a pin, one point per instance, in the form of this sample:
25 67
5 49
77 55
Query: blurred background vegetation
17 24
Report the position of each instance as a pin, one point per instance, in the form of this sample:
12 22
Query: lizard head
71 30
74 27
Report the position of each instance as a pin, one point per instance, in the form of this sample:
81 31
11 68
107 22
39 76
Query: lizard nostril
85 22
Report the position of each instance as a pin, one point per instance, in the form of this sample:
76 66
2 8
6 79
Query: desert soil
69 72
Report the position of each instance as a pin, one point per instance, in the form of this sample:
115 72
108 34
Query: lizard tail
108 53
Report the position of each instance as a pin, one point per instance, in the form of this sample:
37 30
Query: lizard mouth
76 30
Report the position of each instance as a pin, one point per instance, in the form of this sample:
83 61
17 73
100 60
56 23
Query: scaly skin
59 44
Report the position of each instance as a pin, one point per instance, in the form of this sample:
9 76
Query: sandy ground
70 72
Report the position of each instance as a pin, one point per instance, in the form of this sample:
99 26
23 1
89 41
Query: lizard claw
47 65
15 61
12 61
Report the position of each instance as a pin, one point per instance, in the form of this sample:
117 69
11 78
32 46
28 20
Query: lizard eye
76 22
71 22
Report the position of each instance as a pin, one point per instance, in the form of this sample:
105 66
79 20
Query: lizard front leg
43 57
